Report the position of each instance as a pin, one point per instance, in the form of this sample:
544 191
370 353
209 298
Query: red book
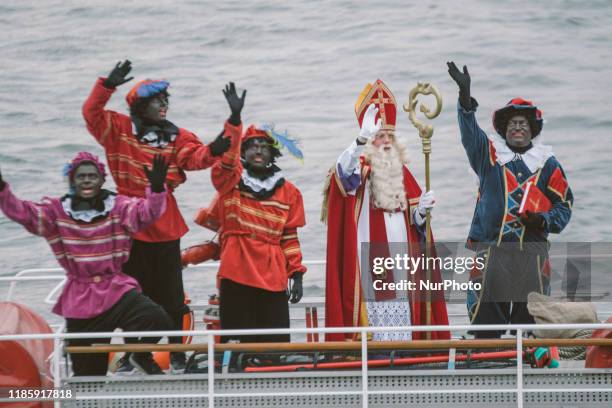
534 200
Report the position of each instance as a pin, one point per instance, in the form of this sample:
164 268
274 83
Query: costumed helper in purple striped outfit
89 231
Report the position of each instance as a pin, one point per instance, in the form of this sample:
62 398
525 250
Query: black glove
463 81
295 290
118 75
220 145
235 103
533 220
2 183
157 176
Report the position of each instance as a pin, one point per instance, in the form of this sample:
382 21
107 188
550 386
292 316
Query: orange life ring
162 358
199 253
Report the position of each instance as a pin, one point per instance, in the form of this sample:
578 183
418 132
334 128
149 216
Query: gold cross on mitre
380 95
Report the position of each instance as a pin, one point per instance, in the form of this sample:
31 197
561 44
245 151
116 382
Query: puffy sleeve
103 125
192 154
348 167
562 199
227 172
38 218
480 151
138 213
289 240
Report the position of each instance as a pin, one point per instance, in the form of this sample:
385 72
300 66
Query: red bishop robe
344 300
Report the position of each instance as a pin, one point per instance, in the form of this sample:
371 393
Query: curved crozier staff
425 133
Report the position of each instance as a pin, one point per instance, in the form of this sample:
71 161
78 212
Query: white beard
386 181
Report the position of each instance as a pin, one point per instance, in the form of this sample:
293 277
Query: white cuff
349 159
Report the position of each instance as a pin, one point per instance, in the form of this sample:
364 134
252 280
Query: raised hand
295 290
464 81
157 176
369 125
220 145
235 102
118 75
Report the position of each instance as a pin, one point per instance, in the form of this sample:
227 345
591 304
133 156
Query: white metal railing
24 276
363 331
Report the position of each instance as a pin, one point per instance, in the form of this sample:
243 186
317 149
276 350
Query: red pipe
308 325
495 355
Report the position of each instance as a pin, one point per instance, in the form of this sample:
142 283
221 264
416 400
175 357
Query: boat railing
59 337
208 336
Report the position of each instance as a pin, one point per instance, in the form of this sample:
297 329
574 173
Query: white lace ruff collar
258 185
534 158
88 215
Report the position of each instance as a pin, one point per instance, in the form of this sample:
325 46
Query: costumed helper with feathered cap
257 214
131 142
372 200
515 169
98 296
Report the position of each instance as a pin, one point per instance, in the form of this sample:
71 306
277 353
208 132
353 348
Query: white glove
369 125
427 201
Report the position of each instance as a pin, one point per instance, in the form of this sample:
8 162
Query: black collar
164 129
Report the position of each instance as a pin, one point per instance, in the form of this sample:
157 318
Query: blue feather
283 140
65 171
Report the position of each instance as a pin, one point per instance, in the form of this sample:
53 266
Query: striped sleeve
289 240
191 153
139 213
37 218
226 173
102 124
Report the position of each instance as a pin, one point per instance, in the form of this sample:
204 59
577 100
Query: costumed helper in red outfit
259 212
373 199
130 142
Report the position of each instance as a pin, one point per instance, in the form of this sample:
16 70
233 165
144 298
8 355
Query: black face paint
258 154
156 109
87 181
518 131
